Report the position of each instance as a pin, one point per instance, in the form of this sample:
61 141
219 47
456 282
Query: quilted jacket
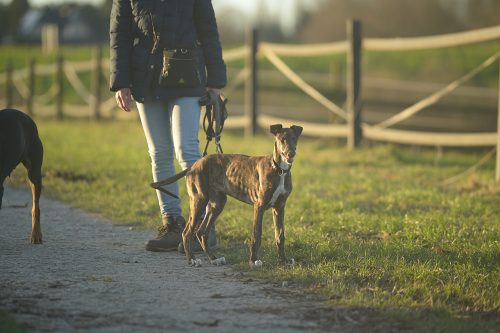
179 24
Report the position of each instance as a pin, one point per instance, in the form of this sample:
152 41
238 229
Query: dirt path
90 275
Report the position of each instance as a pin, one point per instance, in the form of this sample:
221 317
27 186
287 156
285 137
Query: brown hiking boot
169 235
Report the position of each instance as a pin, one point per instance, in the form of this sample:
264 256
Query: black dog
19 142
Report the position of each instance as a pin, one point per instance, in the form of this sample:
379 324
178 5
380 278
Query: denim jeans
171 127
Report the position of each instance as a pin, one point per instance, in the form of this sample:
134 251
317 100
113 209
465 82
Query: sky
282 9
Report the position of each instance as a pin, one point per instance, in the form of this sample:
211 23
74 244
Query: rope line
301 84
437 96
22 88
470 170
432 42
236 54
291 50
237 81
43 99
77 84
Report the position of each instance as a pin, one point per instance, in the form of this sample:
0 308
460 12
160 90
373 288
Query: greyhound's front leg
279 231
258 212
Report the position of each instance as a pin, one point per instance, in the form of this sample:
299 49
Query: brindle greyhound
19 142
263 181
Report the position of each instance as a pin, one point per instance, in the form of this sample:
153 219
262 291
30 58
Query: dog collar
280 170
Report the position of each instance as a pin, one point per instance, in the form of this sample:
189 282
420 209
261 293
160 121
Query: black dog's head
286 141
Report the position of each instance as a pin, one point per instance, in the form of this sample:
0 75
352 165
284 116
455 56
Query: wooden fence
353 128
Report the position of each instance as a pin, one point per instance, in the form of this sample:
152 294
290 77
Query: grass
436 65
373 230
8 324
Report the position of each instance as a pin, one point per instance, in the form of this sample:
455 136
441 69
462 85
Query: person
165 55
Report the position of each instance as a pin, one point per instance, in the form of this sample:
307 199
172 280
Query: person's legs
156 123
185 119
185 126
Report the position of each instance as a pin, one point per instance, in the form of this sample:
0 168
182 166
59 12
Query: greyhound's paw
257 264
195 262
219 261
36 239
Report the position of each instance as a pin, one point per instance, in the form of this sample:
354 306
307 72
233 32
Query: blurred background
391 80
86 21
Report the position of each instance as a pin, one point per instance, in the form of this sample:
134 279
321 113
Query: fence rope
434 98
236 54
41 99
237 81
432 42
22 88
470 170
305 50
77 84
301 84
109 104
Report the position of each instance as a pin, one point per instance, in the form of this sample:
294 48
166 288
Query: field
392 81
440 66
374 231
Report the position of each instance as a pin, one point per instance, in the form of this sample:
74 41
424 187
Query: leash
213 124
215 114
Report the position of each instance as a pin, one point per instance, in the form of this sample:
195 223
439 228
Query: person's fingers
119 100
127 99
121 103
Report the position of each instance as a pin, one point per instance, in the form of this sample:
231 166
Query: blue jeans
171 127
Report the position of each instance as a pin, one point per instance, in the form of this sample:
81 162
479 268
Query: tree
381 18
4 24
15 12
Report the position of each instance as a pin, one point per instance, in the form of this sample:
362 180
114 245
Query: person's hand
124 99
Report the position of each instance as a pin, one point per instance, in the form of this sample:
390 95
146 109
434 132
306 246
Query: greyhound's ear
297 130
275 129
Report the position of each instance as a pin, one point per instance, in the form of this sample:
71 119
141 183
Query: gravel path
90 275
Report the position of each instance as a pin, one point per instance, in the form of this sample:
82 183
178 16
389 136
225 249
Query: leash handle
215 114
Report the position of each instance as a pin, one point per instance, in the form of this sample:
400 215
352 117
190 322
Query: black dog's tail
158 185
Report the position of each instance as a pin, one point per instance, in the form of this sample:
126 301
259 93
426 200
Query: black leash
213 124
213 121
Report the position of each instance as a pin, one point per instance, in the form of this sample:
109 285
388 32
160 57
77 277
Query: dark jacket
180 24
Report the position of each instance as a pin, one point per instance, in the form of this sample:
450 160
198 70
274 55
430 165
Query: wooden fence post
9 85
59 86
31 87
497 173
354 103
95 102
251 85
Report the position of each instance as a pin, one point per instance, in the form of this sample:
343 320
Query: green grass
8 324
436 65
373 229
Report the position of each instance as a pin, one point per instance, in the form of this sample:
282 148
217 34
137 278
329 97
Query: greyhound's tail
158 185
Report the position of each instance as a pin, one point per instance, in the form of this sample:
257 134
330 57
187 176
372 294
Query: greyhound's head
285 143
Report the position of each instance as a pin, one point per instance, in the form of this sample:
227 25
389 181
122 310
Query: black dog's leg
1 193
34 167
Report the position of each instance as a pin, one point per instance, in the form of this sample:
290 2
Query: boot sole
160 249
